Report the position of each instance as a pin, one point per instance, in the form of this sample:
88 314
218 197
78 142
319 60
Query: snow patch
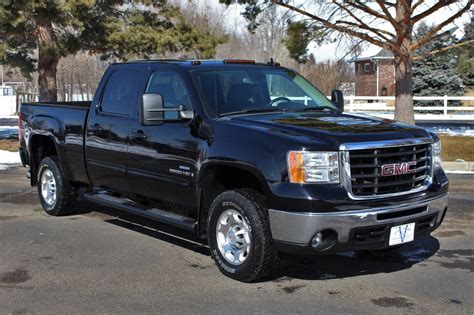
8 159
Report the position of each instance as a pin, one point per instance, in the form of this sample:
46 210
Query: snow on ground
460 131
8 159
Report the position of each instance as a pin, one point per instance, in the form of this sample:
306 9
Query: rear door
108 128
162 158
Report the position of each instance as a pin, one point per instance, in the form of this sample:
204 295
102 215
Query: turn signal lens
296 169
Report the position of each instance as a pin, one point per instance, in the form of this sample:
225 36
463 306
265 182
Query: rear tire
240 237
56 194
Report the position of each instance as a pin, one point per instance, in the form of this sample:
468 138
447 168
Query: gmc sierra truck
249 155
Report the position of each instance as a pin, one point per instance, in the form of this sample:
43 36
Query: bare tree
265 42
328 75
79 75
203 15
388 24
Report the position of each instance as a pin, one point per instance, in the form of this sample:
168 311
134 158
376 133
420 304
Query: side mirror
338 99
151 109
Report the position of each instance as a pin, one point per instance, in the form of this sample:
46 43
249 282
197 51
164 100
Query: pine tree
465 65
36 34
436 74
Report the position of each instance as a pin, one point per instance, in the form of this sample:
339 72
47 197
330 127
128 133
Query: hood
332 128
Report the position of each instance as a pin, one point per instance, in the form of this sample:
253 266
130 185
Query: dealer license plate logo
402 234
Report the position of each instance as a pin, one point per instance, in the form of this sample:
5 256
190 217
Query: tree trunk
404 89
48 59
403 64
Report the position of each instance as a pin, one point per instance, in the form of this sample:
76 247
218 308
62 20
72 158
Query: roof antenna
273 63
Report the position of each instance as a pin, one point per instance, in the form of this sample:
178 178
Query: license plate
402 234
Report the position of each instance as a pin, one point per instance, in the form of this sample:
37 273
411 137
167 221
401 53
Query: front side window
229 90
122 92
171 86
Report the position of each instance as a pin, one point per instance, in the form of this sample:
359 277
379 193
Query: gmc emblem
398 168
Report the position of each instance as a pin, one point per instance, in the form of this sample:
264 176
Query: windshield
224 91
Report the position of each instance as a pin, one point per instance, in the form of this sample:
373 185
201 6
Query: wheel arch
217 176
40 146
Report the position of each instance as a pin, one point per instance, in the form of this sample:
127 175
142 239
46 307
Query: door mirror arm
337 99
184 113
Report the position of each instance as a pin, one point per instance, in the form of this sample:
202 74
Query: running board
129 206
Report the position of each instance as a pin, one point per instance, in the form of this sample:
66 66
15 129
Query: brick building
375 75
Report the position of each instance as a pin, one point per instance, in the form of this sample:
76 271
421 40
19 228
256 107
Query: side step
126 205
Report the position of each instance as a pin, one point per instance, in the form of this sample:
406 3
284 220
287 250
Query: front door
108 128
162 158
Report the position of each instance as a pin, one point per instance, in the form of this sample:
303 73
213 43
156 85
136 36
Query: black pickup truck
249 155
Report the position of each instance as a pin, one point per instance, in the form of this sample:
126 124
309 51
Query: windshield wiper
320 108
253 111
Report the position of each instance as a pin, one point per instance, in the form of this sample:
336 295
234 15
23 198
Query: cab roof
204 63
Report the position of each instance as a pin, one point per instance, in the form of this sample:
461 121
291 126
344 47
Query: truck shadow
164 232
321 267
351 264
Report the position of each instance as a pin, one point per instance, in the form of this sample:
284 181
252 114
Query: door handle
95 127
139 135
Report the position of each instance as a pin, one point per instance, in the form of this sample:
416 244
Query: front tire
239 235
56 194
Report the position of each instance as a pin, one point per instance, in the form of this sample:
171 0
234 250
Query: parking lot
102 261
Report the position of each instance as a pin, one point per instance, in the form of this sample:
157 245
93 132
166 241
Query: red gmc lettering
398 168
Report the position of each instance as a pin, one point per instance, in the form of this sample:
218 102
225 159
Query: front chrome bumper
299 227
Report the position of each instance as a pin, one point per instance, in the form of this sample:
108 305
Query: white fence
379 106
383 106
7 105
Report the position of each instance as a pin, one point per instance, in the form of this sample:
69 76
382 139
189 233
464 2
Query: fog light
317 240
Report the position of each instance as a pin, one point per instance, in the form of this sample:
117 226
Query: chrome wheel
48 187
233 236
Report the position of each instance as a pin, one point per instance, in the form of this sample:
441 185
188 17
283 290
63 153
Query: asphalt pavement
99 260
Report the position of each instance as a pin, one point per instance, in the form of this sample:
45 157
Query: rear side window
122 91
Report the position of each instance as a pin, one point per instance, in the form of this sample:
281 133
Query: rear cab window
121 92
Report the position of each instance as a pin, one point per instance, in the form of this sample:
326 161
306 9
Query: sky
332 51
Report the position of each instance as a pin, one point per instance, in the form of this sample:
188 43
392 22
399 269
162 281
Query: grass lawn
453 147
457 147
9 145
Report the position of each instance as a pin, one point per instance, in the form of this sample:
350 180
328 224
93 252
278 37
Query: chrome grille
365 165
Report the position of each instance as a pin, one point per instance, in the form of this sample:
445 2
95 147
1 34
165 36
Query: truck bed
63 123
84 104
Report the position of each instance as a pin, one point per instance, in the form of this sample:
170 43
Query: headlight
436 147
313 167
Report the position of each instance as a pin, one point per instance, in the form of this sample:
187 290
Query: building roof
370 55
